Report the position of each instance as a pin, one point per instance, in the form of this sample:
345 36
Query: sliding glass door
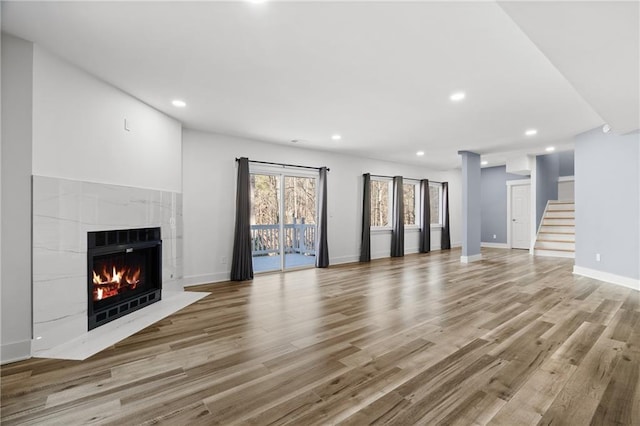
283 221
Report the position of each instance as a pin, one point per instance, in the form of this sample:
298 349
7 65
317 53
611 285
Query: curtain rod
284 164
391 177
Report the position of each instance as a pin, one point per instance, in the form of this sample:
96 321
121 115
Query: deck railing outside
299 238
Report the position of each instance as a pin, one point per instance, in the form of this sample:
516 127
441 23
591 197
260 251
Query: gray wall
608 202
470 203
17 87
566 163
493 189
547 173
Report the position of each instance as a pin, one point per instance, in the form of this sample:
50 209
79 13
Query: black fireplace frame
119 242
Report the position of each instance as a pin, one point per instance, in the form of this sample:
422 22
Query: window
435 202
380 203
410 205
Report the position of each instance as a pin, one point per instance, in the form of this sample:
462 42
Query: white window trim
380 229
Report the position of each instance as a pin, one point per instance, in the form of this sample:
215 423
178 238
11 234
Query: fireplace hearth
124 272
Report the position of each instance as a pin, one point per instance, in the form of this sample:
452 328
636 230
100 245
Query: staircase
557 234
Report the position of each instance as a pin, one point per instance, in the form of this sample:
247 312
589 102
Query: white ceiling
378 73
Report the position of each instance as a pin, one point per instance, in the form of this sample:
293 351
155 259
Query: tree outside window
380 203
409 193
435 201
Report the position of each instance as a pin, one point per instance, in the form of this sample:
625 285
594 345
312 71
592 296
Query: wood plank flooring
424 339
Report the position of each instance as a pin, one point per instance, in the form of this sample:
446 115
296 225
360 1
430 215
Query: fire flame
109 283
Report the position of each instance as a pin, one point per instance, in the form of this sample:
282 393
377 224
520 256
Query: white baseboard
607 277
16 351
495 245
343 259
215 277
469 259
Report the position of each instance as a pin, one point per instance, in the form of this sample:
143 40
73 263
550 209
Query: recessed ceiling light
484 163
550 149
257 1
420 153
531 132
336 137
458 96
178 103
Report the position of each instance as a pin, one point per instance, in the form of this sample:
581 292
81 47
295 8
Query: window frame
416 203
389 182
440 212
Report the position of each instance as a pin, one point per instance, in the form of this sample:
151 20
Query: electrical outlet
597 257
223 260
494 236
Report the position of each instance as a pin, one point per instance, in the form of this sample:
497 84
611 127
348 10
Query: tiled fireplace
115 228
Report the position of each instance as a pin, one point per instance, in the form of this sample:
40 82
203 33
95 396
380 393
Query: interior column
470 207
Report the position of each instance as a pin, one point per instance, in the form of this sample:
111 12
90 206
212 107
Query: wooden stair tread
557 233
557 241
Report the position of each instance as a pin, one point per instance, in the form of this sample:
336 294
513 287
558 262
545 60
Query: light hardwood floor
422 339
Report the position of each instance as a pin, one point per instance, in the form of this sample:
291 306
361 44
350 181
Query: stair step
560 207
555 253
556 245
557 236
559 221
558 229
554 214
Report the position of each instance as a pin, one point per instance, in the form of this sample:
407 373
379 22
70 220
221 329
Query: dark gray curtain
445 240
425 230
322 248
397 231
241 264
365 245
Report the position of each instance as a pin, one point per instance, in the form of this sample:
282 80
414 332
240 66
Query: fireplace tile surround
63 212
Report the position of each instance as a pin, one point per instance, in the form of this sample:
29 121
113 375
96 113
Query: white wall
209 176
17 65
78 131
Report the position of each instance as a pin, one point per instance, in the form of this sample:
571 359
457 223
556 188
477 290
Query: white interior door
520 216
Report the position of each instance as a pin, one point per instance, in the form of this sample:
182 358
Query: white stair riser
552 253
556 237
555 245
561 229
568 222
560 214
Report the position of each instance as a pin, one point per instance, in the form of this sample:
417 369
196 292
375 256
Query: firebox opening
124 272
115 275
